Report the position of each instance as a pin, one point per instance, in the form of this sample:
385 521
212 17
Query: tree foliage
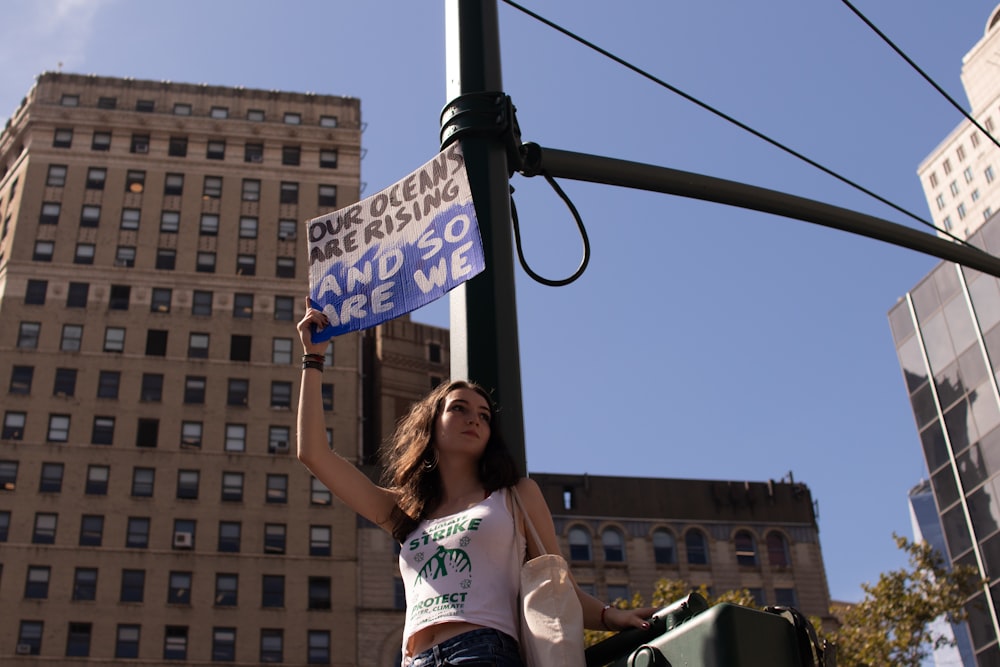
891 625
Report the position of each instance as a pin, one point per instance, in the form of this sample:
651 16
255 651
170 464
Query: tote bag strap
527 520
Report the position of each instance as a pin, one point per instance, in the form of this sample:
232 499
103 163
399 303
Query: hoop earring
430 464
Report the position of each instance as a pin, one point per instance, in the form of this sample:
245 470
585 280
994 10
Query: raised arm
338 474
596 616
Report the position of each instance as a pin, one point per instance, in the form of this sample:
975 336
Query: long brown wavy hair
418 488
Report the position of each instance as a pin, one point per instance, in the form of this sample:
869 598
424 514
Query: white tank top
462 567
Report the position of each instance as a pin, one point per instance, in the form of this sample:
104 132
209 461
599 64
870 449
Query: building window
43 251
319 593
219 112
91 530
114 339
961 211
45 528
239 347
326 394
256 115
182 109
103 432
243 306
939 200
271 645
145 106
248 227
84 253
327 196
988 173
13 426
697 547
166 259
272 590
160 301
30 634
960 153
101 141
50 213
318 493
239 392
96 177
133 587
107 102
209 225
291 155
130 219
27 335
201 303
614 545
274 538
58 428
179 591
284 308
177 147
65 382
147 433
785 597
127 641
56 177
184 534
328 159
289 193
777 550
4 522
253 153
173 185
90 216
328 121
97 480
947 223
20 380
285 267
617 592
152 388
140 143
967 174
85 583
226 587
281 351
76 296
319 540
194 390
664 547
170 222
156 343
246 265
119 296
292 118
187 484
71 338
251 189
953 187
229 536
175 641
281 395
946 165
137 535
746 548
51 478
198 346
143 481
34 293
579 544
277 489
191 434
8 476
223 644
62 138
236 437
216 150
125 256
212 188
287 230
232 486
36 585
205 262
107 384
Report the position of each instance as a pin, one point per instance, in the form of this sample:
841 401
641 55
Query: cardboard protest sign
397 250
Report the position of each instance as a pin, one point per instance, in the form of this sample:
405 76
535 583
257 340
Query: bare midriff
435 634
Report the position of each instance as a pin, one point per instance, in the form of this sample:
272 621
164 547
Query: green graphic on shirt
438 565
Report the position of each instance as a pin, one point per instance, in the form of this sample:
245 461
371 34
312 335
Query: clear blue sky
704 341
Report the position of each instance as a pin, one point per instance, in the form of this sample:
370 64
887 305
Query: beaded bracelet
603 612
313 357
310 363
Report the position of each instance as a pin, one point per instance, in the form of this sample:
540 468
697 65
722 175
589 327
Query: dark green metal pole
484 344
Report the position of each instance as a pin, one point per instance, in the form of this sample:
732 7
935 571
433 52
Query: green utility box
725 635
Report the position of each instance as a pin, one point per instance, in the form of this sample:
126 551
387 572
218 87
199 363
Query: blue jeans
486 647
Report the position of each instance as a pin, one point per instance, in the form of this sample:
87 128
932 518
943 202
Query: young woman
445 498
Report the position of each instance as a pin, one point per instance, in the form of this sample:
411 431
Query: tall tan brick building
151 506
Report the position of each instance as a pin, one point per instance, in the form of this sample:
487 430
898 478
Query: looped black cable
579 224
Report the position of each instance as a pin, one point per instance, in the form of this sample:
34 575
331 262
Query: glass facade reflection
947 336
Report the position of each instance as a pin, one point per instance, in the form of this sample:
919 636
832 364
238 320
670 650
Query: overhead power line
743 126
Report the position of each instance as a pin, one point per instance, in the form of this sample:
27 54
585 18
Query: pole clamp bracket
484 113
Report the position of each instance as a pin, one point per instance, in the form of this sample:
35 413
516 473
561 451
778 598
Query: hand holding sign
397 250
